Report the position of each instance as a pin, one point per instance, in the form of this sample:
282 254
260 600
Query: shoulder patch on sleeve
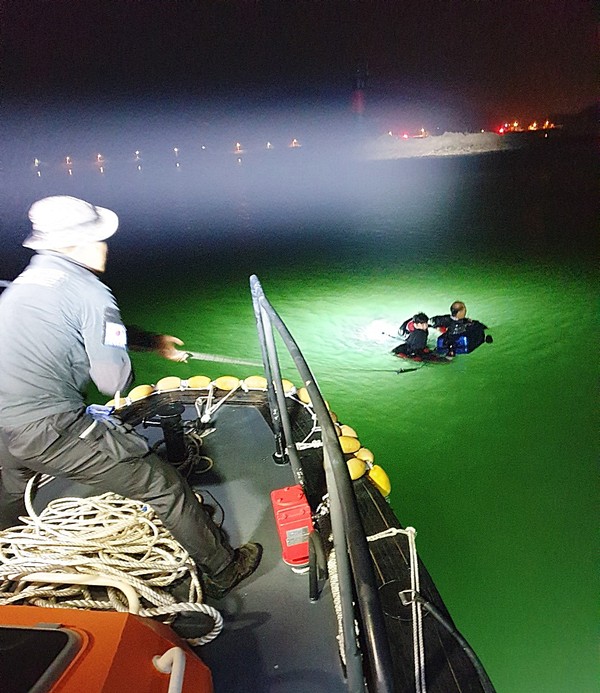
115 334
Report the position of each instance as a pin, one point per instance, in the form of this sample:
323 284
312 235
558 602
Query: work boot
245 562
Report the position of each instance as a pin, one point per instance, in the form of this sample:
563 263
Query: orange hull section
116 651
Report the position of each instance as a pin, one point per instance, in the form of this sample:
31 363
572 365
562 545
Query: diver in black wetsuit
415 332
455 325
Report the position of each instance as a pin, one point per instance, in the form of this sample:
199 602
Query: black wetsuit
416 340
453 328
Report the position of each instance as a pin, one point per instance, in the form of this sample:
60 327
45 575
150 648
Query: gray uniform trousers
108 459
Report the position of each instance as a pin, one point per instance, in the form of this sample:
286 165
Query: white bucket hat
62 221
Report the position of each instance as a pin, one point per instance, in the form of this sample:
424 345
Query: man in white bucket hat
60 327
77 229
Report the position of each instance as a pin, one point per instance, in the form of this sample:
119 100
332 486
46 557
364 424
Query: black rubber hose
487 685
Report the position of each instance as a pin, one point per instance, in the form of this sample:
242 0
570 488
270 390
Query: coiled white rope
103 540
416 608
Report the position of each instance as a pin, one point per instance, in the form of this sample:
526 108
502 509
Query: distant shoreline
450 144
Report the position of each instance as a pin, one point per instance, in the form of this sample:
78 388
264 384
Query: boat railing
356 575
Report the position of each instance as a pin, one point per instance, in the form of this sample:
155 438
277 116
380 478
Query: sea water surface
492 457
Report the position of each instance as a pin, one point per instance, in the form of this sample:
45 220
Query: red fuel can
294 524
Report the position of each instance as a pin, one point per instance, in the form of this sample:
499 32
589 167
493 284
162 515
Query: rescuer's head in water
458 310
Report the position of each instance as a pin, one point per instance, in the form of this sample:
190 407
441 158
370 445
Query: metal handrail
355 568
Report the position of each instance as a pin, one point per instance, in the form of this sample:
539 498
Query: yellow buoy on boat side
380 479
303 395
366 455
347 431
198 382
170 382
256 382
140 392
227 382
288 387
348 444
356 468
333 416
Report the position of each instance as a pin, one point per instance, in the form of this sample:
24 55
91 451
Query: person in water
456 324
60 328
415 333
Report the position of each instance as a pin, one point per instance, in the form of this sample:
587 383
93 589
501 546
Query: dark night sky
493 58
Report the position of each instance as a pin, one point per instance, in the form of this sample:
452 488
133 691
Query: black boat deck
275 640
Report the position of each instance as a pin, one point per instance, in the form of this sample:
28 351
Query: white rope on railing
416 607
301 445
103 540
336 596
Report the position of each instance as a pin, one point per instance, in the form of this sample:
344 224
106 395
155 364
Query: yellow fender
303 396
349 445
198 382
356 468
170 382
140 392
347 431
226 382
380 479
288 387
366 455
256 382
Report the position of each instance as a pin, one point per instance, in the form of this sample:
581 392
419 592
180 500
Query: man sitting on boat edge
60 328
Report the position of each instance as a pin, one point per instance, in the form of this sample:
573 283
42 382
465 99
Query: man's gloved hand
99 412
166 346
106 415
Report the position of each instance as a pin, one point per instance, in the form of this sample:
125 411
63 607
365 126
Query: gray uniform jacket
60 327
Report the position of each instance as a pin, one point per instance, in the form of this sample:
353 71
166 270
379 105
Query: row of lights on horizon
516 126
100 160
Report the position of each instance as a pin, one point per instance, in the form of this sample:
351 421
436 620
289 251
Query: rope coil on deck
103 552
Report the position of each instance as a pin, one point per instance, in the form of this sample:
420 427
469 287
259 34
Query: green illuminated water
492 457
